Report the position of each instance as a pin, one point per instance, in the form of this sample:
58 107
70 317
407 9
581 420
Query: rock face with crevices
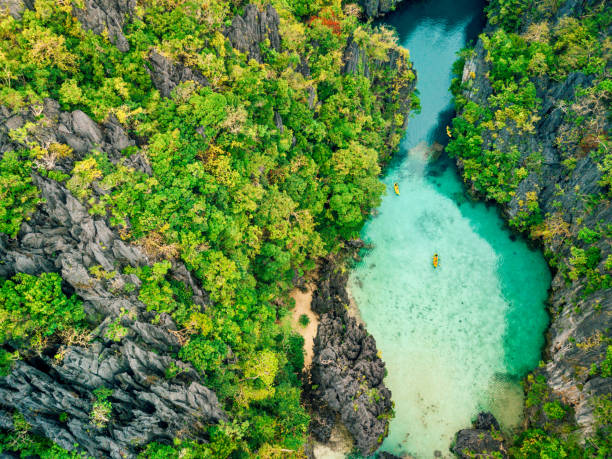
375 8
254 27
346 370
166 75
107 15
62 237
356 61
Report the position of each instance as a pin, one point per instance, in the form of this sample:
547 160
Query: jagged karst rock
107 15
375 8
61 236
486 421
357 61
166 75
248 31
480 441
16 7
331 289
346 370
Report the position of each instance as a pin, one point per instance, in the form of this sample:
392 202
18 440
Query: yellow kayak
435 260
396 188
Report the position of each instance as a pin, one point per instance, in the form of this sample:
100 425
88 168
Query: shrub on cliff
33 308
18 197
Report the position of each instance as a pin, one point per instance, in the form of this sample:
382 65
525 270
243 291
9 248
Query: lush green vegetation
18 197
486 137
246 205
556 438
34 310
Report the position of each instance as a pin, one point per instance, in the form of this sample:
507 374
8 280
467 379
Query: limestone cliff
556 167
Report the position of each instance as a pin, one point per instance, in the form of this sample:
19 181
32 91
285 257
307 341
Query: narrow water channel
456 339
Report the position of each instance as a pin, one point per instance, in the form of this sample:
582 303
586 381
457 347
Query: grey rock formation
483 440
107 15
166 75
346 370
63 237
375 8
254 27
576 317
16 7
357 61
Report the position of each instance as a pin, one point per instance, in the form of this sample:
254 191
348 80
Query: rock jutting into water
483 440
347 373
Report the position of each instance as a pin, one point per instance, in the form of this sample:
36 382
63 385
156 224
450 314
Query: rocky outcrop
346 371
483 440
107 16
166 75
75 129
63 237
394 71
16 7
580 320
254 27
375 8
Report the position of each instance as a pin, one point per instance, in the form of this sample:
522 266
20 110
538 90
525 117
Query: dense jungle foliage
521 55
246 205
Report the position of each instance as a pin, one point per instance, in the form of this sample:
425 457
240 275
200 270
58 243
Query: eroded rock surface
63 237
346 370
107 15
483 440
357 61
166 75
375 8
254 27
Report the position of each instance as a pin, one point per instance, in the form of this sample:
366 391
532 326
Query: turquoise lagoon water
455 339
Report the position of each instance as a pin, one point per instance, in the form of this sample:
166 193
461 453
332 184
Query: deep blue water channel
456 339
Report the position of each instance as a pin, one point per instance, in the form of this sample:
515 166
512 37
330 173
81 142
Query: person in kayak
435 260
396 188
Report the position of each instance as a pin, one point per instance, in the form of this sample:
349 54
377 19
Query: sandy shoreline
302 306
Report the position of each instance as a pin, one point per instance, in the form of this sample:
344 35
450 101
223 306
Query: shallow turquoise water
456 339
